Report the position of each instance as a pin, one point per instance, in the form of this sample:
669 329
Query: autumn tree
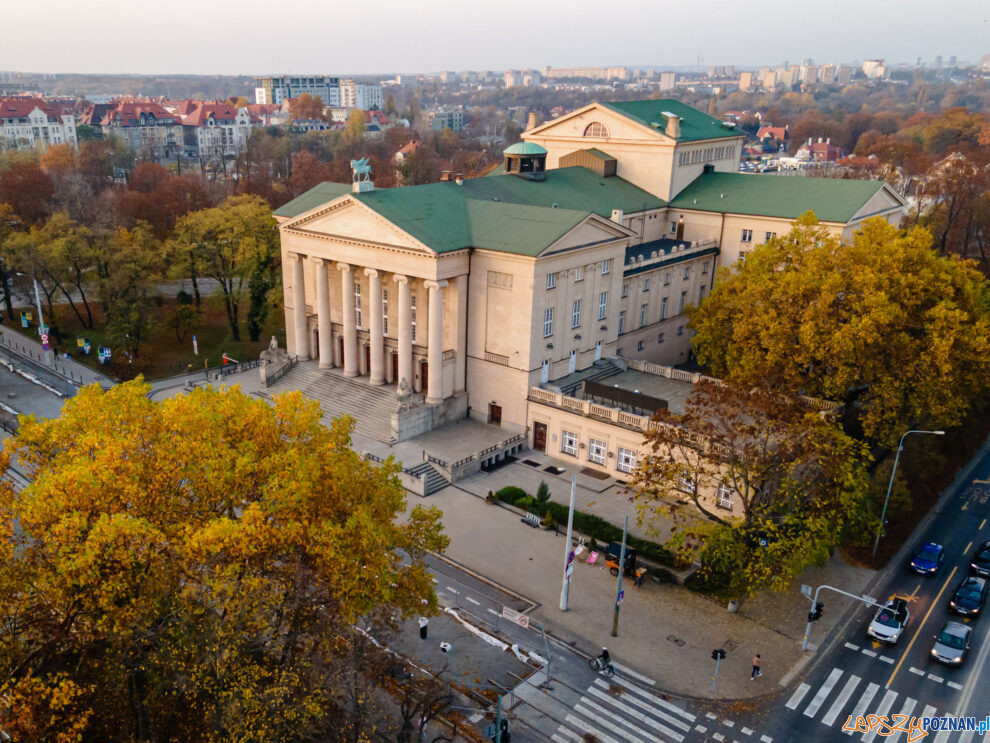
306 106
883 324
9 223
129 263
307 171
780 484
181 570
28 190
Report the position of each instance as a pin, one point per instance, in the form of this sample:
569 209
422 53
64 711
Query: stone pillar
323 310
350 321
405 331
375 321
434 343
299 311
460 341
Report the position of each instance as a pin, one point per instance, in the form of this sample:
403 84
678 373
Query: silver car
951 643
890 621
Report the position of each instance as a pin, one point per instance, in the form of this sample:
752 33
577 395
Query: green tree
193 569
9 223
389 106
896 333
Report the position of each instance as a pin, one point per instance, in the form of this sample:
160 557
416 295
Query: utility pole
817 608
618 590
718 654
568 550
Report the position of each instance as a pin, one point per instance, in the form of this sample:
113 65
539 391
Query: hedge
593 526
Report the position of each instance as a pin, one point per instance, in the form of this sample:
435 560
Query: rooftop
674 391
695 125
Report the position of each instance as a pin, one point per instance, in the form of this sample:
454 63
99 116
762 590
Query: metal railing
272 378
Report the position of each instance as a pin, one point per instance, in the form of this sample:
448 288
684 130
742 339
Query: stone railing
589 409
496 358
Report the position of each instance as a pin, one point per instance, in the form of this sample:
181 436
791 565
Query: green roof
524 148
832 199
500 212
695 125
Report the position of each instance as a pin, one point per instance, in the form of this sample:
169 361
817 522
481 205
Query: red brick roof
203 111
128 113
17 108
776 132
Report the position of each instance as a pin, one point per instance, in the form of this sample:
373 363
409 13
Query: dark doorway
680 229
367 359
395 369
494 414
424 376
540 437
340 350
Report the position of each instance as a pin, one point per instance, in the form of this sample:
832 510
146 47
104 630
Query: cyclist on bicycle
605 657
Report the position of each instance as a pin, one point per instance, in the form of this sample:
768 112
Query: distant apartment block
513 79
278 89
745 81
453 120
588 73
667 80
216 130
875 69
147 128
361 95
29 123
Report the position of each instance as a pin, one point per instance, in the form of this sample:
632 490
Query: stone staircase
434 480
370 407
599 370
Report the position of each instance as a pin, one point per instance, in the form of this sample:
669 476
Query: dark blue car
928 559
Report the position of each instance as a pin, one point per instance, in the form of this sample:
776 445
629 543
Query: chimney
828 141
459 179
819 140
617 216
445 176
531 123
673 126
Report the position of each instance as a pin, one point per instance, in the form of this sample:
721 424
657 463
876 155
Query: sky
386 36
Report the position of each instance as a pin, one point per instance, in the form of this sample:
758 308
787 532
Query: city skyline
339 37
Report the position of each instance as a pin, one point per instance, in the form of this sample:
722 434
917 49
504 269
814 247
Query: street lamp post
41 321
890 485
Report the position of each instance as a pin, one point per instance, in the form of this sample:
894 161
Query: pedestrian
756 668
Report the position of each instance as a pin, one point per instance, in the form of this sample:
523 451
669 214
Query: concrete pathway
13 341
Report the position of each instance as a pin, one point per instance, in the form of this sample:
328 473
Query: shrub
510 494
543 492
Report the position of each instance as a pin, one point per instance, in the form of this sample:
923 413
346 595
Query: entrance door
540 437
395 369
545 371
572 362
424 376
340 350
494 414
680 229
367 359
598 351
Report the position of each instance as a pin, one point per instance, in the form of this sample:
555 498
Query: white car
890 621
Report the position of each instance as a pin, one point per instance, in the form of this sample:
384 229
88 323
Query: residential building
668 80
33 123
588 73
446 119
216 130
365 96
746 80
147 128
874 69
822 151
513 79
279 89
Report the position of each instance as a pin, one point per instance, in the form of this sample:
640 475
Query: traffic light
718 654
504 737
816 613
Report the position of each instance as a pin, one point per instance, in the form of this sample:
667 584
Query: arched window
595 129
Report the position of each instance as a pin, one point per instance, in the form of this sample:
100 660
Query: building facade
365 96
216 130
32 123
146 128
278 89
452 119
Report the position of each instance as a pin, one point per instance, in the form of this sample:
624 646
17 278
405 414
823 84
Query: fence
60 375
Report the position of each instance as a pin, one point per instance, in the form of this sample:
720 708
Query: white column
460 341
299 310
350 321
434 343
323 310
405 331
377 371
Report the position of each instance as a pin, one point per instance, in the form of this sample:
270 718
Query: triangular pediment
592 230
346 218
574 125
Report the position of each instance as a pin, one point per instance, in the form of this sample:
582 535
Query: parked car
969 597
928 559
980 564
890 621
951 643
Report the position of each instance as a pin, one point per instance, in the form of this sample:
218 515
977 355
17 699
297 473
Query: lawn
165 355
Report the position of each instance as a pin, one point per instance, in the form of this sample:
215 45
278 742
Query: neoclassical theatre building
505 297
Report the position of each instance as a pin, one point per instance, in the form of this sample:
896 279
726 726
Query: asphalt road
856 675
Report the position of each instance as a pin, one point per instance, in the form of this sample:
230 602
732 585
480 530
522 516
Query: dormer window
596 129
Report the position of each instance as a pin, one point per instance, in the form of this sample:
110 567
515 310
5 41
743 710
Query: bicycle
597 664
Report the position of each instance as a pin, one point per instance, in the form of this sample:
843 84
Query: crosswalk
840 707
632 716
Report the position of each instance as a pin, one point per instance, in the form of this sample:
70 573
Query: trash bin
733 606
423 622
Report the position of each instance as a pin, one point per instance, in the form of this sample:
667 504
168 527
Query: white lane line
906 710
928 711
863 703
475 717
701 728
643 705
711 716
493 612
916 671
953 684
653 699
797 696
558 738
885 704
870 653
840 701
636 713
630 672
719 737
728 723
451 589
581 724
833 678
473 601
747 731
887 659
766 739
571 734
851 646
942 737
937 679
601 715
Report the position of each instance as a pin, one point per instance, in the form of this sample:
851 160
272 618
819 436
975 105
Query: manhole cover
676 640
730 644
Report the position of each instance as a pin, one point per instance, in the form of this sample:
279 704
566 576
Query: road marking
634 734
870 653
965 505
796 697
982 524
766 739
558 739
966 551
701 728
928 711
653 699
451 589
728 723
913 596
475 717
921 626
473 601
711 716
841 700
746 731
812 709
953 684
630 672
718 736
630 699
851 646
579 723
933 677
634 713
493 612
863 703
885 704
906 710
887 659
917 671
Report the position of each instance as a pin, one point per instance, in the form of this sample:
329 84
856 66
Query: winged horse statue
360 170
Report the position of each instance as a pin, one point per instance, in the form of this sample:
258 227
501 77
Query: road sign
621 595
25 319
195 346
515 616
570 570
44 341
806 591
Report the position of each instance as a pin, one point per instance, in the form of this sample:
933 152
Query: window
680 305
551 280
646 285
663 308
704 267
606 267
769 236
666 279
622 320
548 322
743 254
686 484
659 337
357 303
673 228
412 315
576 314
723 497
680 330
625 290
596 451
626 460
384 311
642 315
687 272
579 273
602 305
595 129
701 294
568 443
640 345
747 236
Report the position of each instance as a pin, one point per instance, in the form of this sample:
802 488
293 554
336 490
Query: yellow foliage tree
185 569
